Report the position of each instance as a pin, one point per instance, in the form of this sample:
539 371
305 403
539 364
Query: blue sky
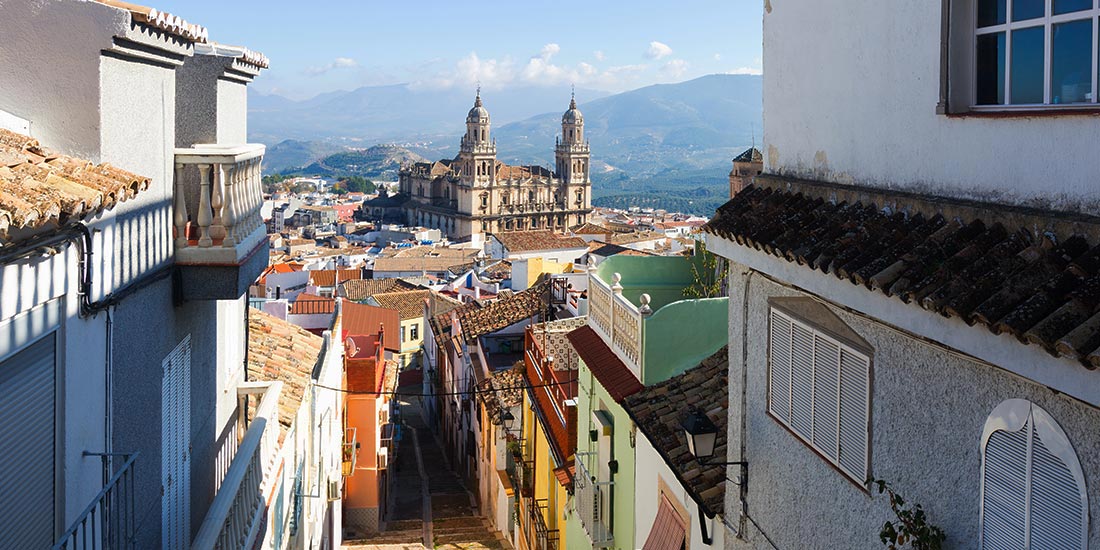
321 46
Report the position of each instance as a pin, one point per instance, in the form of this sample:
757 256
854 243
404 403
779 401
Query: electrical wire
442 394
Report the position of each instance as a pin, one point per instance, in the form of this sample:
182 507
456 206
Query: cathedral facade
474 194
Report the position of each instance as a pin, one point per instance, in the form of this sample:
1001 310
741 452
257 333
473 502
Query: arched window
1033 489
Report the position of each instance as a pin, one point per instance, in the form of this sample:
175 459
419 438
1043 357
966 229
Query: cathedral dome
573 115
478 111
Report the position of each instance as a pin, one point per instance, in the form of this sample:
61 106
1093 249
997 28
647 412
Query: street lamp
507 419
701 434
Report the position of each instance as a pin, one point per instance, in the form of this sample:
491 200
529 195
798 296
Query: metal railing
108 522
592 503
217 202
545 539
237 513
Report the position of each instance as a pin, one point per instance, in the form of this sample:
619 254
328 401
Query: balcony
637 305
592 503
108 522
238 514
220 237
543 538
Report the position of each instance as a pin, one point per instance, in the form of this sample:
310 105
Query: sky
327 45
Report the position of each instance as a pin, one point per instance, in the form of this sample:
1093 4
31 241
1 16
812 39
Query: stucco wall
653 475
928 408
850 92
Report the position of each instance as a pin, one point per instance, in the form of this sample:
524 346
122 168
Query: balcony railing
545 539
217 203
237 514
592 503
108 522
619 321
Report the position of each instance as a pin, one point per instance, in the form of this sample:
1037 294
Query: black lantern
701 434
507 419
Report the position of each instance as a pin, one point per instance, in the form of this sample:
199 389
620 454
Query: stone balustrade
217 203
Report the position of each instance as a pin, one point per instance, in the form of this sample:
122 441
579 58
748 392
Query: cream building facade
475 194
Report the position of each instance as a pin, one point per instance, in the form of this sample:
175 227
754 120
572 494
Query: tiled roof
635 237
311 304
422 258
531 241
281 351
360 319
659 409
459 269
327 277
361 289
751 154
504 312
409 304
441 321
500 270
1022 279
589 228
506 171
38 186
501 390
609 370
164 21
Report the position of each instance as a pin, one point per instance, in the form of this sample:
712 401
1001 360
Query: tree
911 528
709 273
358 184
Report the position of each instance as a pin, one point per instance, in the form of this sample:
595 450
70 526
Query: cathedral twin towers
474 194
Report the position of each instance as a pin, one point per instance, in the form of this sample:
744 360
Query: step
369 546
470 546
460 521
404 525
473 532
391 537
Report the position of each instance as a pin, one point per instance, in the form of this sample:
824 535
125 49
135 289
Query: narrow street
429 505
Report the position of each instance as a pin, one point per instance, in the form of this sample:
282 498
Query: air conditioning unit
333 490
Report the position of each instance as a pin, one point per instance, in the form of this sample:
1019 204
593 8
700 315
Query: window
1035 52
819 388
402 335
1033 489
415 333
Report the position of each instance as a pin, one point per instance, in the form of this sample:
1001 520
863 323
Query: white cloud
338 63
717 57
548 51
599 55
657 50
746 70
674 69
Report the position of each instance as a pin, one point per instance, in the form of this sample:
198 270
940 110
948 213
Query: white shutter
1056 508
1004 490
175 447
27 450
780 374
855 404
802 379
826 389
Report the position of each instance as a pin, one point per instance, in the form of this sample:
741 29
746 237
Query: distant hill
380 161
292 153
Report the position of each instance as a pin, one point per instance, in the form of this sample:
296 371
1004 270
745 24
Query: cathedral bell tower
571 151
477 152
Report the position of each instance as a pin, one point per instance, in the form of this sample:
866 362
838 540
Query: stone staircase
466 533
399 535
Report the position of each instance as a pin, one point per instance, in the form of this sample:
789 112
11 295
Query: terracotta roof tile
531 241
609 370
589 228
635 237
409 304
328 277
38 186
311 304
601 248
500 391
422 258
659 409
360 289
164 21
504 312
1042 288
281 351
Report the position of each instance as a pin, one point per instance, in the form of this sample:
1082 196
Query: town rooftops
281 351
409 304
38 186
532 241
311 304
421 258
609 370
659 409
502 390
600 248
361 289
328 277
589 228
504 312
360 319
1012 270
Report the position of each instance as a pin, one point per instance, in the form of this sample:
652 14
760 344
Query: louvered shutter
826 389
175 447
1056 511
27 451
1004 490
780 374
802 379
855 404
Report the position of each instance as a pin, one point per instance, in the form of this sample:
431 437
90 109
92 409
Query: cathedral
474 194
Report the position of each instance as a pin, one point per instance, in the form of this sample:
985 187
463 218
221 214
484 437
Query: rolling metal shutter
27 446
176 448
855 406
1056 511
780 372
1004 490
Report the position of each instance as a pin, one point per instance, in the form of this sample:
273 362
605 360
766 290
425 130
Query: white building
894 312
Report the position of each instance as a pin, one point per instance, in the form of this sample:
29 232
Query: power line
442 394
